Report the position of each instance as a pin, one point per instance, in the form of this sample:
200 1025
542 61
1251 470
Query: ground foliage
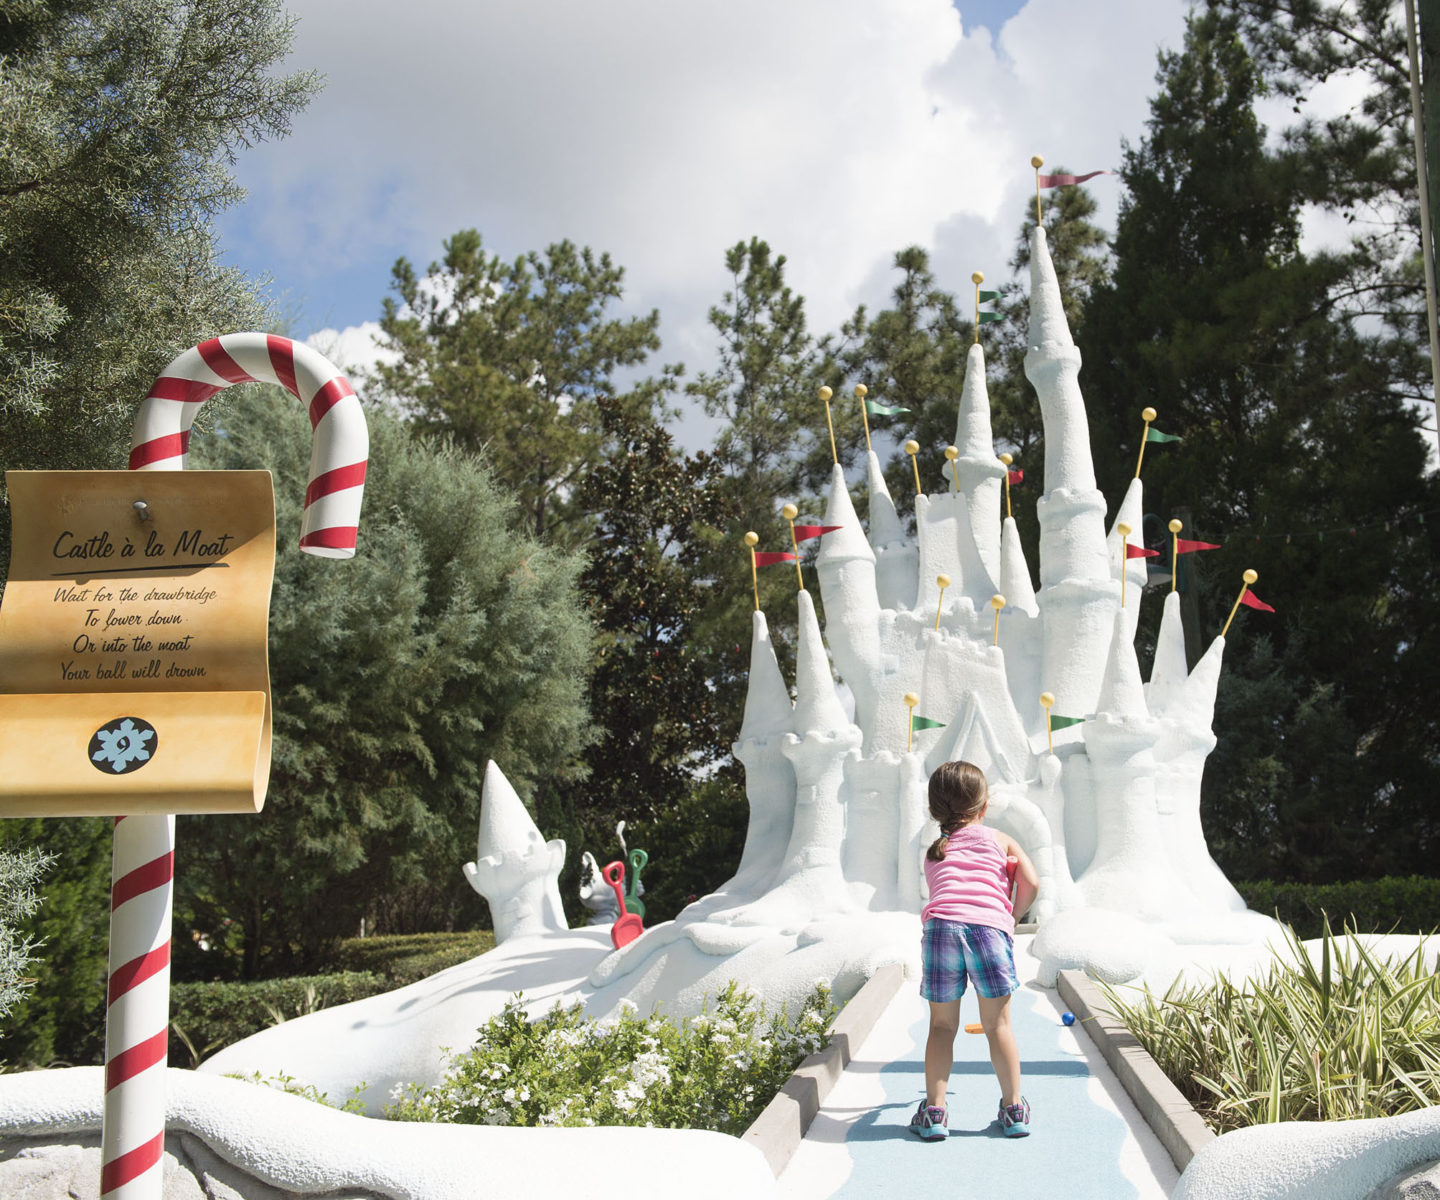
716 1071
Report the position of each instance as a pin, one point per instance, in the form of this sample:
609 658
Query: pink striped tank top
969 884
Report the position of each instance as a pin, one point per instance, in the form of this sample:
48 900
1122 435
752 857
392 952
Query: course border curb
1172 1118
779 1129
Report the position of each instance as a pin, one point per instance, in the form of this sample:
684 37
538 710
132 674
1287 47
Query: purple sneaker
1015 1118
930 1123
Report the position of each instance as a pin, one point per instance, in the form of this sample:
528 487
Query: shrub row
406 957
1400 905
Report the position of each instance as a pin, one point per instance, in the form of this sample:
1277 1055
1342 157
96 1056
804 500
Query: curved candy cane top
342 443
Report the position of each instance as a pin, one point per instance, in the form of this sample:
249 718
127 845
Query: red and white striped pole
143 869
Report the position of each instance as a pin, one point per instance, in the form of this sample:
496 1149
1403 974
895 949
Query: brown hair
958 794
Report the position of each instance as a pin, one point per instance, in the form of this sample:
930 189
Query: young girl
968 926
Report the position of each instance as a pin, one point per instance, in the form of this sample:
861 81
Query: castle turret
515 868
1078 594
1169 671
846 565
1131 514
769 777
980 473
896 555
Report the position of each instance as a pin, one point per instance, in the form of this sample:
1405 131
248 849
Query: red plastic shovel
628 926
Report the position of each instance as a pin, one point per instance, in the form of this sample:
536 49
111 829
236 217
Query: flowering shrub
714 1071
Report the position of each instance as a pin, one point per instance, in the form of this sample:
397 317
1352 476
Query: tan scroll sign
133 671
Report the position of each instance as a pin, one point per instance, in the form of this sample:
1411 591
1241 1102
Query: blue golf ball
1068 1018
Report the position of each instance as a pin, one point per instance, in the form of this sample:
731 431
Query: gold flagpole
1175 527
861 391
790 512
1147 415
1249 577
997 602
750 540
1037 162
912 448
1124 531
911 700
951 454
1007 458
944 582
1046 700
825 394
977 279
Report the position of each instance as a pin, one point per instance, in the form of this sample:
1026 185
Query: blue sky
839 130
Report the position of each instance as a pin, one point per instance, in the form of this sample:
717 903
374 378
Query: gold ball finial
912 447
1007 458
943 580
911 699
997 601
825 394
1250 576
1036 161
752 538
861 391
977 277
1147 414
952 453
1122 529
1176 525
1047 699
789 512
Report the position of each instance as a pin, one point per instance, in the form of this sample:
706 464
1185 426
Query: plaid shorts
949 950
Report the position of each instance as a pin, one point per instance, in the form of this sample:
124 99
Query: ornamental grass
1354 1035
714 1071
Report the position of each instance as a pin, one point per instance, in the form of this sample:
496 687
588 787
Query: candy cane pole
143 871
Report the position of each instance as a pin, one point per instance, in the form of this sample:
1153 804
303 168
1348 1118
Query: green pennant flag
1154 435
927 723
984 296
1063 722
883 410
986 318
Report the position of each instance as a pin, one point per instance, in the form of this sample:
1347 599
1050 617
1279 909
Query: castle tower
846 565
1078 594
896 556
769 777
1169 671
1132 514
980 472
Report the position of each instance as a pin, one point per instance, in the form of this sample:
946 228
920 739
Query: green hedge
407 957
1399 905
208 1016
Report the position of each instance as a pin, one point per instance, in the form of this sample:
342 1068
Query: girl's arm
1027 881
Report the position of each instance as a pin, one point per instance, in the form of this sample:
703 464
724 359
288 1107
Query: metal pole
1427 244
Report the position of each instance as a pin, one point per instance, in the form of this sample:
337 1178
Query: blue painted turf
1074 1146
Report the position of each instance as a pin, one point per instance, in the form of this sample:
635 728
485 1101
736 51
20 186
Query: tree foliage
118 123
513 358
20 870
450 639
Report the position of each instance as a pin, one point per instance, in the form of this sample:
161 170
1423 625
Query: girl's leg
940 1050
1004 1053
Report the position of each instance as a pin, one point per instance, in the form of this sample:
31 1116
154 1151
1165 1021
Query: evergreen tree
19 872
118 123
512 358
1293 438
452 638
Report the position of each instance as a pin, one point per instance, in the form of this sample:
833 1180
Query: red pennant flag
1251 600
1140 552
1016 477
1184 547
803 533
768 558
1049 181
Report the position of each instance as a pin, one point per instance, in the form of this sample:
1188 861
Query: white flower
627 1006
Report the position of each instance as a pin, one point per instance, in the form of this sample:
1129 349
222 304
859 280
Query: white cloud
838 130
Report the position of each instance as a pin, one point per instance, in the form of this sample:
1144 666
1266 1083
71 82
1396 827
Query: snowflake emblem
122 746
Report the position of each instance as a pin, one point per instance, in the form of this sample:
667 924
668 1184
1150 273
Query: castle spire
817 706
1121 692
980 472
1169 670
768 710
1015 582
896 556
846 565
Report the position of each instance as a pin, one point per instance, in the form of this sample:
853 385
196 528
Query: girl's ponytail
936 853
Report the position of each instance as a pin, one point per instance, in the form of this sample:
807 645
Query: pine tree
512 358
